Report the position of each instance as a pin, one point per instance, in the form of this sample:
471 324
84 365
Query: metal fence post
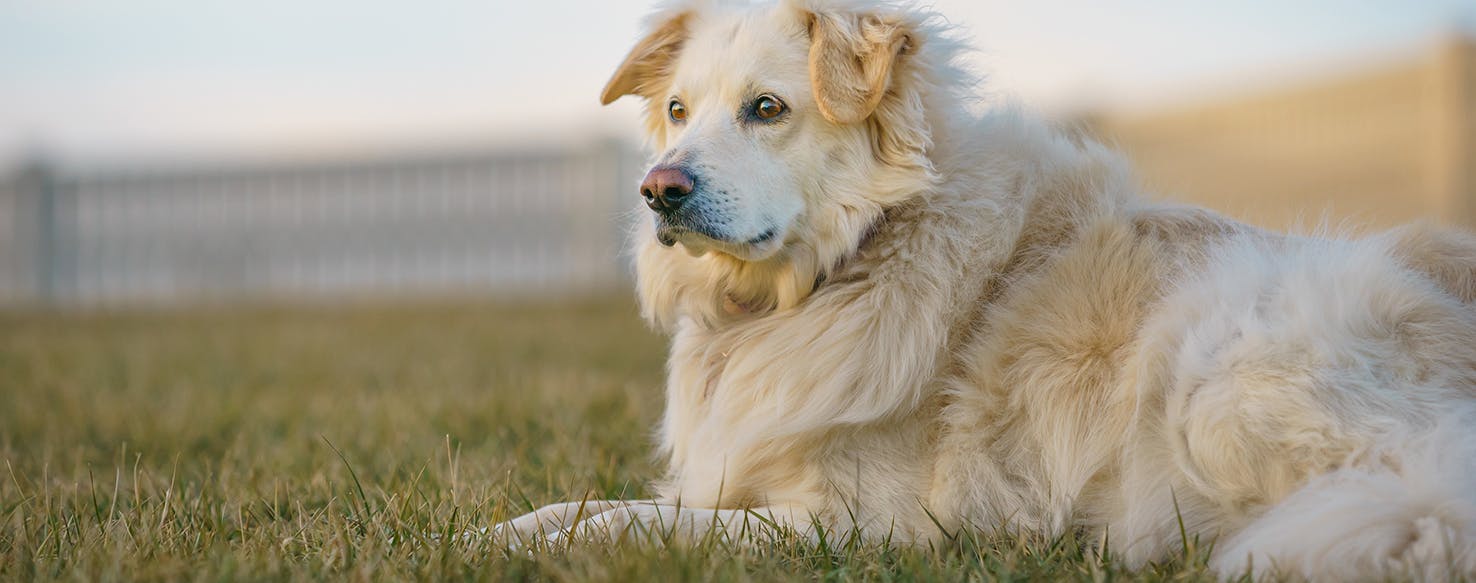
34 228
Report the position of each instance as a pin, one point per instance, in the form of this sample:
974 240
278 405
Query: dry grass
201 446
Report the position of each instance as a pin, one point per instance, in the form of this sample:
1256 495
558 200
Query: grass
329 443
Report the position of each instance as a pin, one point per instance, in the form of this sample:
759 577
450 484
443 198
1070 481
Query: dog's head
783 130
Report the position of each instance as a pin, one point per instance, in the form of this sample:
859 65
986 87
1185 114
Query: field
335 442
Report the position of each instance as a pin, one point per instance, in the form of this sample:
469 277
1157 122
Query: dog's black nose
666 188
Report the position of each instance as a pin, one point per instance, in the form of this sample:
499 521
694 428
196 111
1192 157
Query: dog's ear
649 61
870 68
853 59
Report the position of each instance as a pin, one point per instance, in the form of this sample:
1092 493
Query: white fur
977 322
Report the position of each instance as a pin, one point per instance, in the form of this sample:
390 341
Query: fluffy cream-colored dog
891 314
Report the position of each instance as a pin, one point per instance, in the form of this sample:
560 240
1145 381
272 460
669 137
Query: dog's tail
1406 509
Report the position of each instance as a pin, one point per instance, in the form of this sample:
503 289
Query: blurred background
168 151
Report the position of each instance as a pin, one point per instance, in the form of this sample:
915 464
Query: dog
895 315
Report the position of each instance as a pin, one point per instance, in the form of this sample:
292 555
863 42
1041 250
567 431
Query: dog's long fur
975 321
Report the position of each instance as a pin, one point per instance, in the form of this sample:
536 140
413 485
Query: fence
489 222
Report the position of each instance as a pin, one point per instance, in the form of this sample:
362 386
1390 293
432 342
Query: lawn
333 442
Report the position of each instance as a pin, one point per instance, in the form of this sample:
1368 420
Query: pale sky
108 79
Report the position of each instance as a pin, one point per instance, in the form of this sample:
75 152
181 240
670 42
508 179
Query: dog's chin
757 248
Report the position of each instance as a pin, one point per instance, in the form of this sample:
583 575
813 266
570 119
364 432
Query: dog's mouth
763 237
698 240
669 234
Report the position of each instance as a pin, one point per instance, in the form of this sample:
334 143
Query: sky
112 80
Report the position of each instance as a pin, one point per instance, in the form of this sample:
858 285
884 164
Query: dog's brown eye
676 111
767 107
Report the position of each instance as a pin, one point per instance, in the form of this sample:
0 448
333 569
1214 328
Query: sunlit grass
354 442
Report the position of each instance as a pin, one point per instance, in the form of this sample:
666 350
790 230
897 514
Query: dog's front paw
641 522
549 521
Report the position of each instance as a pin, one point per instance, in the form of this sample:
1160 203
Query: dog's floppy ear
649 61
869 67
853 58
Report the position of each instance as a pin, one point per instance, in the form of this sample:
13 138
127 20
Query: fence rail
494 222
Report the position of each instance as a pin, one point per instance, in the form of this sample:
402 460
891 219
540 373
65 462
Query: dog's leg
673 523
1402 510
555 518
